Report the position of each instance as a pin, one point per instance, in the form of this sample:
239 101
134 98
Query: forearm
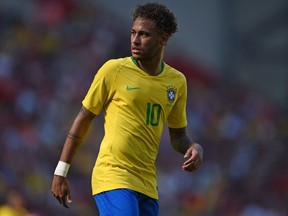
180 140
181 145
76 135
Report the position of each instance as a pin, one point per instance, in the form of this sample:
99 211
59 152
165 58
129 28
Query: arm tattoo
183 144
86 113
74 138
180 140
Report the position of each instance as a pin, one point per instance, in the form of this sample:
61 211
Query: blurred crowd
49 53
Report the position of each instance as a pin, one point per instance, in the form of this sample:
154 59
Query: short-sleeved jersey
136 108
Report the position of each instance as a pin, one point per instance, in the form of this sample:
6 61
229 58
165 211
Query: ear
164 38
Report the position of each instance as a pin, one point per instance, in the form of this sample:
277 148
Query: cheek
151 45
155 48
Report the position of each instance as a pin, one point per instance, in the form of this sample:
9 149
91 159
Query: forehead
144 24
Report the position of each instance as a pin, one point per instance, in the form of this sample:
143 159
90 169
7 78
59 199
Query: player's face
147 42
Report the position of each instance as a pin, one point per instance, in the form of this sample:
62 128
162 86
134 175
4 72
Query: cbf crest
171 93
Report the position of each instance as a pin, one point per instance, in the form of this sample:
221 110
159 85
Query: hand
194 157
61 190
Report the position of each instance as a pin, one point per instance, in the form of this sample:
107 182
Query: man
139 95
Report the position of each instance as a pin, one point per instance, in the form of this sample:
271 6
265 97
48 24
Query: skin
147 47
78 130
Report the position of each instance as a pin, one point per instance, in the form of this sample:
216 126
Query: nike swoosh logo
131 88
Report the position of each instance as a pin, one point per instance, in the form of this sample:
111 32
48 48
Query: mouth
136 50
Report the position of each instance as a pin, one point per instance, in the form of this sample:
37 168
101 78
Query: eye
144 34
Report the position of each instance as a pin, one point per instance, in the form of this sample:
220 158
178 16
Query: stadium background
234 54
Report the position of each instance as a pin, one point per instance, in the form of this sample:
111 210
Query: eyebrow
141 31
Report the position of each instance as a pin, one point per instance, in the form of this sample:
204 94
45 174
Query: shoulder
174 73
112 67
117 63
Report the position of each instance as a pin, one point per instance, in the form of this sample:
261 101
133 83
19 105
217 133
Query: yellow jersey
136 108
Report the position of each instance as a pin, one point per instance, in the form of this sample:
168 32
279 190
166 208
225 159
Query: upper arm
177 116
102 88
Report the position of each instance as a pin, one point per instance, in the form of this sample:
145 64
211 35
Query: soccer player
139 95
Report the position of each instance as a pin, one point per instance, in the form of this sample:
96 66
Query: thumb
68 198
188 152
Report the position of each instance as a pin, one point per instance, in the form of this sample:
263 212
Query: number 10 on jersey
153 114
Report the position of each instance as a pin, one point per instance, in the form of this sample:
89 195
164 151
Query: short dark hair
160 14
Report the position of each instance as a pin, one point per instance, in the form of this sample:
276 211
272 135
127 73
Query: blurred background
235 57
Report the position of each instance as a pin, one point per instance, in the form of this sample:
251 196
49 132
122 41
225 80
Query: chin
136 57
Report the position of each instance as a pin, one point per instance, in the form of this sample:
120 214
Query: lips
136 50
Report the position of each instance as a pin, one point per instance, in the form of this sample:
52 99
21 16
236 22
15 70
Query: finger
58 199
195 157
192 159
188 167
69 200
61 199
191 166
188 153
189 161
64 201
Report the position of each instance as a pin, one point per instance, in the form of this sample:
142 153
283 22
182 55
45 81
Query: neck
152 67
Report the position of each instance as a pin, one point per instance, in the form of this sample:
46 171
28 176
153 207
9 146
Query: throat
149 68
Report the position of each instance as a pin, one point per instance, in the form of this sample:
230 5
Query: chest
138 91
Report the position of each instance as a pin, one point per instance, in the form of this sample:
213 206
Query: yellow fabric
6 210
136 107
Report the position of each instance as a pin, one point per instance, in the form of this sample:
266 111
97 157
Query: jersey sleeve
101 89
177 117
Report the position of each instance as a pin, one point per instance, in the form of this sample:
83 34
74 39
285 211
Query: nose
135 39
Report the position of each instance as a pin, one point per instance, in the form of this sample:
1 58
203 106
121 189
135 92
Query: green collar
137 64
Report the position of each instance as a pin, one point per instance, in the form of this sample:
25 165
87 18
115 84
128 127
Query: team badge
171 93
